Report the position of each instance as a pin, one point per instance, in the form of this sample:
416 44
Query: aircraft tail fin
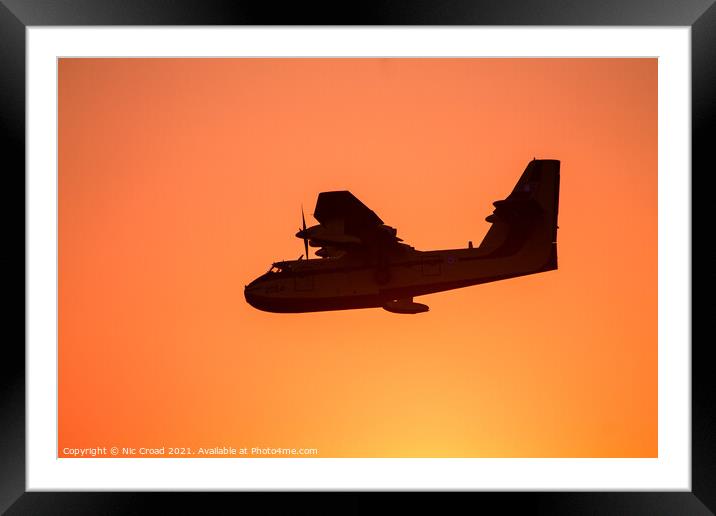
526 221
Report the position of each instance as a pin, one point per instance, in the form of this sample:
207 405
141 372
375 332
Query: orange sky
180 180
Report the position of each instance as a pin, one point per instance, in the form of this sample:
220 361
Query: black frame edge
703 112
12 380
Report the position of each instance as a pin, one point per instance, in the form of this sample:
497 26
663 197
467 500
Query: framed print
486 285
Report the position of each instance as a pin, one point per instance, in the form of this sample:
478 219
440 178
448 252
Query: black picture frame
17 15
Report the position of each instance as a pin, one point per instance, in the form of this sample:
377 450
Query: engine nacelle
325 235
330 252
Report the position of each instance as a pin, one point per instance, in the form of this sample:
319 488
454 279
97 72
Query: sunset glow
181 180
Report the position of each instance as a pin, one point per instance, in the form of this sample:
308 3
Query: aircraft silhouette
363 264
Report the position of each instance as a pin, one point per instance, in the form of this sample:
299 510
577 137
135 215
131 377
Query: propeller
305 240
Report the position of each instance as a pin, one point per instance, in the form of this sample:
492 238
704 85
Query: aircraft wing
346 223
345 206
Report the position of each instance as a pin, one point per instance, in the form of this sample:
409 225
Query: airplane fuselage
340 284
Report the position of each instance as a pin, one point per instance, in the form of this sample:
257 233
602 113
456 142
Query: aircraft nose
254 293
255 297
250 294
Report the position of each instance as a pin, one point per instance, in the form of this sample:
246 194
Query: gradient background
180 180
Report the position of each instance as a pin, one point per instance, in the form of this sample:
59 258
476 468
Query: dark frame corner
700 15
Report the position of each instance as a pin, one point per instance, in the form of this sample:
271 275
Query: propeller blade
305 240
